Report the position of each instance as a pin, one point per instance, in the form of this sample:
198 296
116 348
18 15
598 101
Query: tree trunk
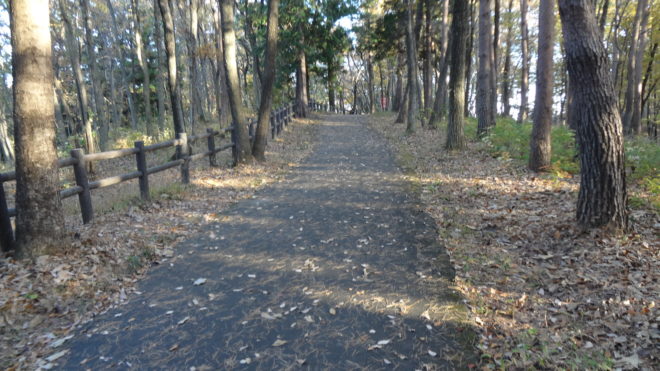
540 144
125 72
426 70
172 79
458 38
413 83
370 85
524 70
485 92
301 85
602 198
633 102
244 150
222 97
95 77
158 40
440 101
40 220
74 55
143 62
468 57
494 51
506 72
259 149
331 85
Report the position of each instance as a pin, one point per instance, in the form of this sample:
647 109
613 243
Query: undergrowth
510 140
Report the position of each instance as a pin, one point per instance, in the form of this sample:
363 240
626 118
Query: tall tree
259 148
244 150
440 101
633 99
602 197
506 69
172 79
39 220
73 50
540 144
485 86
143 62
413 82
457 41
524 70
95 76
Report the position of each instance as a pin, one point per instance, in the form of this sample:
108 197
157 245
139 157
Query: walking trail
332 268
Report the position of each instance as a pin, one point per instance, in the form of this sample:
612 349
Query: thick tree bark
244 150
40 221
602 198
143 62
260 141
413 83
540 144
172 79
95 77
458 37
524 70
485 88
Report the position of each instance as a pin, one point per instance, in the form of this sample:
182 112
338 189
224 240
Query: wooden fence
278 120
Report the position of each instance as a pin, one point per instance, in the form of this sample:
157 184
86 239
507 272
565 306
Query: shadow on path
333 268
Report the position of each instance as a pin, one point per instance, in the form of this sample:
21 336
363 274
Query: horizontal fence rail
279 119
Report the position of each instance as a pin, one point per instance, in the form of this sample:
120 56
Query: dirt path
333 268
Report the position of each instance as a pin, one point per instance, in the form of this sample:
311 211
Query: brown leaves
541 292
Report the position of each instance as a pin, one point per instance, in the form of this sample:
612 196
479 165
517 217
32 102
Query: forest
520 124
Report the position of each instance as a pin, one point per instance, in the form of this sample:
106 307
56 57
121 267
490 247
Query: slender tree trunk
426 69
458 38
74 55
301 85
524 71
259 148
331 85
125 72
39 221
602 198
468 56
403 106
413 83
195 98
143 62
158 40
95 77
398 96
485 91
540 144
506 72
244 150
370 85
633 102
222 99
495 53
440 101
172 80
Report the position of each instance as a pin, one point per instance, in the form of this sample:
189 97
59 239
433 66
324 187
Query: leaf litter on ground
541 292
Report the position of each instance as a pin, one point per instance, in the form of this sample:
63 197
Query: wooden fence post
182 153
84 197
210 141
141 160
6 232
